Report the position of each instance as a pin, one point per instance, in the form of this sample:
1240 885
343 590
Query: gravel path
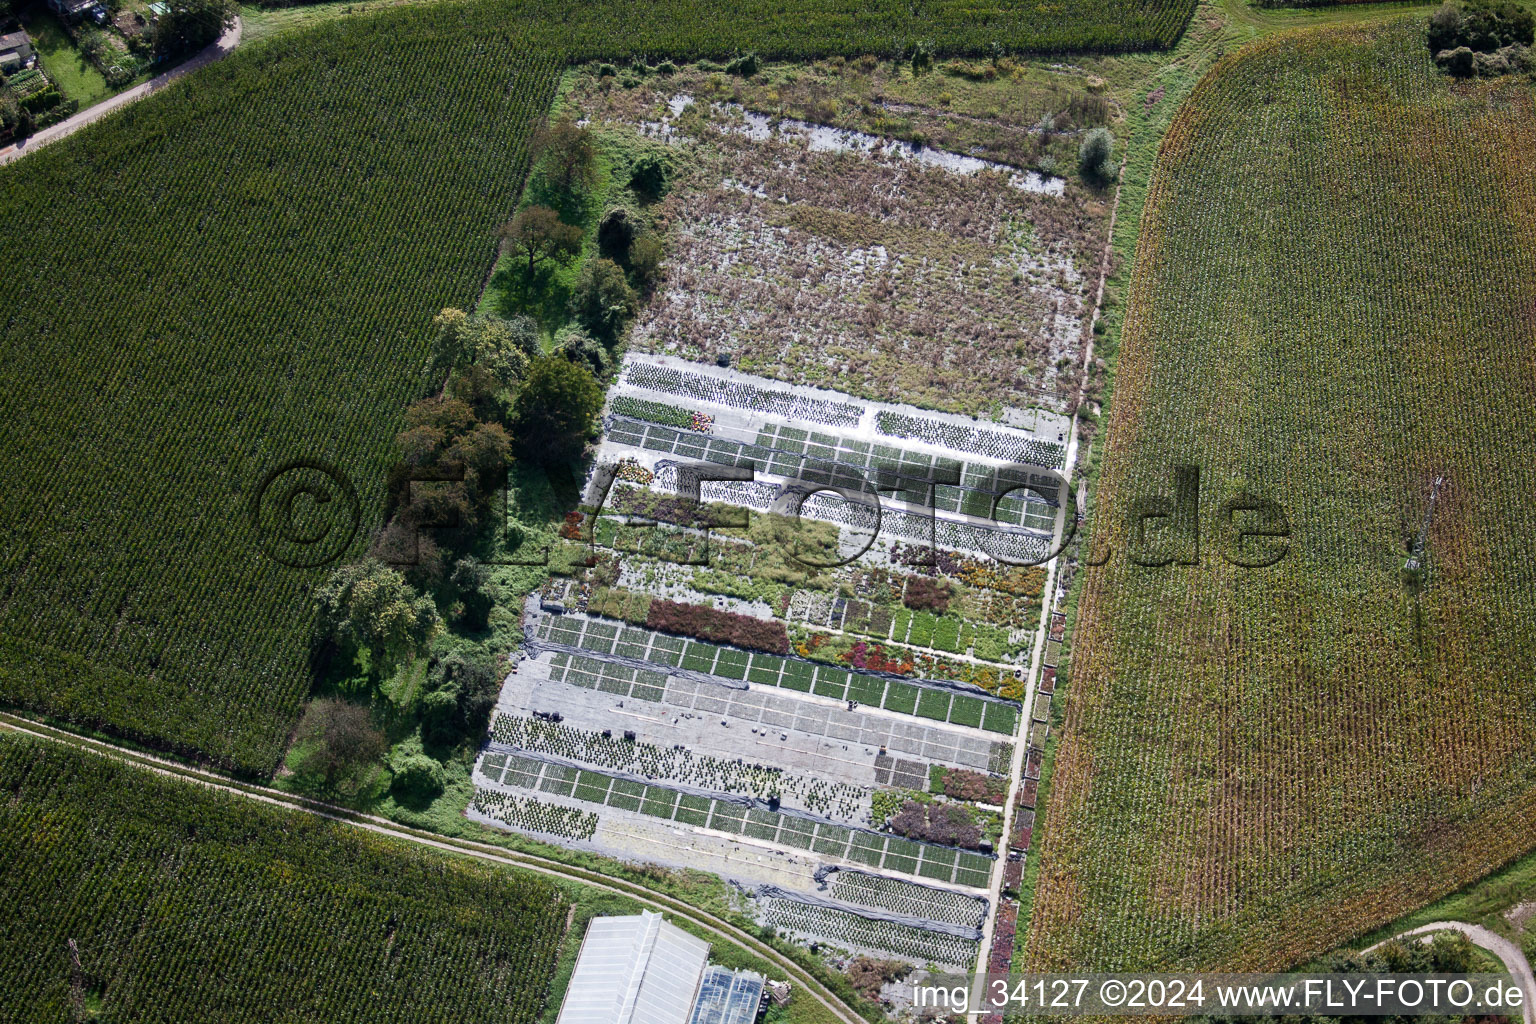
1512 956
225 43
802 980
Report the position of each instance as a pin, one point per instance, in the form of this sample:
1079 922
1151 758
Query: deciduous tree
566 154
337 744
369 606
538 235
555 410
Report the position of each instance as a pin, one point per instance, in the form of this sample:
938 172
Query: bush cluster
943 823
1482 37
961 784
926 594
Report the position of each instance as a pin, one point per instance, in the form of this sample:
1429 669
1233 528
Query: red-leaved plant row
1000 957
718 627
960 784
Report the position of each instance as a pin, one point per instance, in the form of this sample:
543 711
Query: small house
15 51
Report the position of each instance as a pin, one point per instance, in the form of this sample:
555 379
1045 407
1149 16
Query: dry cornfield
1334 303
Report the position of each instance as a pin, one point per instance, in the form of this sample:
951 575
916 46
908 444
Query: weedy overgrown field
165 901
834 257
240 272
1334 305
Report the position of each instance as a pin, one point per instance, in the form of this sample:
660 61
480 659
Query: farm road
210 53
1512 956
804 982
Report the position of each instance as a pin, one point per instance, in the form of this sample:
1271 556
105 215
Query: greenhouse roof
635 970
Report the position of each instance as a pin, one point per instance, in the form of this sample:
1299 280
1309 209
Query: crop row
907 898
184 903
190 351
1262 761
918 945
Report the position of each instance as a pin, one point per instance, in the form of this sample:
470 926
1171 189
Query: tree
442 433
1444 27
746 65
484 451
369 606
648 175
336 744
566 154
13 118
580 347
556 409
615 232
537 234
190 25
922 59
602 299
1093 155
464 688
473 608
498 346
419 777
1482 25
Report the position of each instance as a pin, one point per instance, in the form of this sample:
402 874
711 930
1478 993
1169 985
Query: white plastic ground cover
821 138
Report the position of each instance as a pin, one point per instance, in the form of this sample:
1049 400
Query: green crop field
1334 302
187 904
239 273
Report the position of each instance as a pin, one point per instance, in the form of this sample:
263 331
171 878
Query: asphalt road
224 44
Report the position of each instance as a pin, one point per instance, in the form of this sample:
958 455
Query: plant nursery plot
862 933
226 311
934 704
177 896
825 256
1260 763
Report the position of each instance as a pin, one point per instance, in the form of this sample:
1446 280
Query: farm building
641 970
15 51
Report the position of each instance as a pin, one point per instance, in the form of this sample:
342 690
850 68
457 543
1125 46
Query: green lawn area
76 76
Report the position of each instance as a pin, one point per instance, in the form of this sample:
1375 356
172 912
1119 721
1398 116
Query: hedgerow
754 634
